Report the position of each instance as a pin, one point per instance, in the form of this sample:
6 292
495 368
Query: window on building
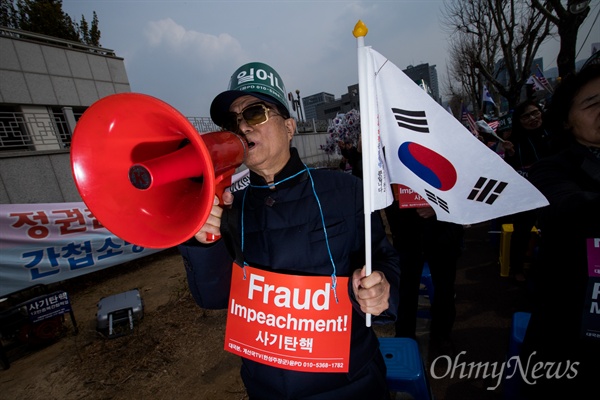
63 131
13 131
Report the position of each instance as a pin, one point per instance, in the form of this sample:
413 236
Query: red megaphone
145 172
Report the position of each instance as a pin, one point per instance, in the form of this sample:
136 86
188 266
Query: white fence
309 148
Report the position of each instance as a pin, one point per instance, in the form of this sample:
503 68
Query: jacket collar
590 163
292 167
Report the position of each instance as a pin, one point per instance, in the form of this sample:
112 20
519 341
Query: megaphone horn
145 172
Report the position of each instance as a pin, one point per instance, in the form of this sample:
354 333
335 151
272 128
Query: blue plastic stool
520 321
405 372
427 282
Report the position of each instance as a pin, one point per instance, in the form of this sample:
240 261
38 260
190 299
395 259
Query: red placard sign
289 321
408 198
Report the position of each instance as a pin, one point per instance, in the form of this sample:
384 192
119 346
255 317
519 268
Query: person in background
504 131
530 142
420 238
352 155
492 140
564 328
300 226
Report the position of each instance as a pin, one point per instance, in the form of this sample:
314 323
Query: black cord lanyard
333 275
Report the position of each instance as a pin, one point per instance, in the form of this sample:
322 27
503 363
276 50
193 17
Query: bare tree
499 40
568 20
463 82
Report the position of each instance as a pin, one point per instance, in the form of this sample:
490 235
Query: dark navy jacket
570 180
283 232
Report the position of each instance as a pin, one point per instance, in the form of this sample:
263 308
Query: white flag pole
367 106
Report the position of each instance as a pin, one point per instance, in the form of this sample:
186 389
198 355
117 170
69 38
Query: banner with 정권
50 242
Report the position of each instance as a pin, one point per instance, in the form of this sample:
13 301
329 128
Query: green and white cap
255 79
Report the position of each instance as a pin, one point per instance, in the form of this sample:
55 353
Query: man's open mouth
250 144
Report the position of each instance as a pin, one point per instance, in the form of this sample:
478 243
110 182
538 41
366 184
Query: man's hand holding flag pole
377 192
409 139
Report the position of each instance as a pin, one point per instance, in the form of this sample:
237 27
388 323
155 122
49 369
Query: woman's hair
562 100
518 131
521 107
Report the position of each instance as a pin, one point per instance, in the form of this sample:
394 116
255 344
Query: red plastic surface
128 130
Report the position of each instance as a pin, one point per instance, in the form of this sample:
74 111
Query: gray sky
184 52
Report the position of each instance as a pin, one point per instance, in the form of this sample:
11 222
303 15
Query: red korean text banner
289 321
50 242
408 198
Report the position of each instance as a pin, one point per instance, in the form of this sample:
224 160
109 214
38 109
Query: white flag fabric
486 96
530 80
538 81
377 190
431 152
537 85
541 84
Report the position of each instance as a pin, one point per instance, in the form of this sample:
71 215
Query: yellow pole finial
360 29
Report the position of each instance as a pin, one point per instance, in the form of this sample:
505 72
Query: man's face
269 142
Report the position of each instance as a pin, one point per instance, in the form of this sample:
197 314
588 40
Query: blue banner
52 242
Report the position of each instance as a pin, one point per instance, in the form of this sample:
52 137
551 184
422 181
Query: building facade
326 108
45 85
347 102
311 102
425 74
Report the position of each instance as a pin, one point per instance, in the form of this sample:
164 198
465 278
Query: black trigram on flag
413 120
436 200
487 190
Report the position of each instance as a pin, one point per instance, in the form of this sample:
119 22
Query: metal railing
312 126
40 130
204 124
37 37
34 131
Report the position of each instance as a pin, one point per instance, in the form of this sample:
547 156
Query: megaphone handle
222 183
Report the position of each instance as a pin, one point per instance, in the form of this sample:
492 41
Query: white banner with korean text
45 243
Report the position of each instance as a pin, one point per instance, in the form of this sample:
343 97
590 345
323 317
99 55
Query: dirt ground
175 351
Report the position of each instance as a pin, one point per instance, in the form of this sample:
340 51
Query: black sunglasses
254 114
